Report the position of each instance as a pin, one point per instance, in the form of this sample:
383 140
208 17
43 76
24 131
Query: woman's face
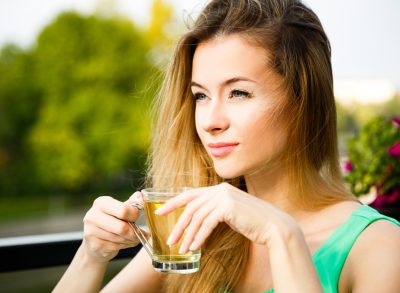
237 100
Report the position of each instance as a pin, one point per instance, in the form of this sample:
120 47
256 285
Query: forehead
224 56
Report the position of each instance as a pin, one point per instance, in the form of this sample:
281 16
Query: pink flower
396 121
387 199
394 150
348 166
393 197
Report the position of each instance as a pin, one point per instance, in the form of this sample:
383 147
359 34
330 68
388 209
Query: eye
239 94
199 96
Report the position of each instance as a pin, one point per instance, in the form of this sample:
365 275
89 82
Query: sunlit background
77 78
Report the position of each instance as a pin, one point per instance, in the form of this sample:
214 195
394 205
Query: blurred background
77 79
76 82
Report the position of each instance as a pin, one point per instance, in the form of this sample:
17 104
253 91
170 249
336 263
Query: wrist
89 259
84 274
289 253
284 231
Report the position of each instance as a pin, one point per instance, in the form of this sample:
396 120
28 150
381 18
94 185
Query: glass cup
165 258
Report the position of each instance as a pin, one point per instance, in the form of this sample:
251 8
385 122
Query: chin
227 172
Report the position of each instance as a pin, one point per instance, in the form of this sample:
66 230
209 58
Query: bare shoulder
379 237
374 261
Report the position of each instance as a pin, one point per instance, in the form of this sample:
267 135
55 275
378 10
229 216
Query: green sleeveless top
330 257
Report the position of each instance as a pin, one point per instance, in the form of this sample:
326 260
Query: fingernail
137 205
159 211
181 250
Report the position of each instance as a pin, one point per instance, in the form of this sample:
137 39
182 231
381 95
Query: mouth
221 149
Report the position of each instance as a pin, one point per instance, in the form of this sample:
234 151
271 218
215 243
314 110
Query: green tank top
330 257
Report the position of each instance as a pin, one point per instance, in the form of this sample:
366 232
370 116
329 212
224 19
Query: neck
272 186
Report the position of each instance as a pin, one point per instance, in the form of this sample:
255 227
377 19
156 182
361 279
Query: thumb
133 206
136 200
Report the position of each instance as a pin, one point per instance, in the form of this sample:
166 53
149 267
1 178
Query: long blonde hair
300 54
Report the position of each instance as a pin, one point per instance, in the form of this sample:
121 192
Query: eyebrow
226 82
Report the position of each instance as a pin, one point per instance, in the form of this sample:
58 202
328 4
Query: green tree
74 107
20 100
93 122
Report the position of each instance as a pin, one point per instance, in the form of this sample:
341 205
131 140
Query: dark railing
49 250
40 251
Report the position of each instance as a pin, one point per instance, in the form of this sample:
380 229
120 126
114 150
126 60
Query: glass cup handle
139 234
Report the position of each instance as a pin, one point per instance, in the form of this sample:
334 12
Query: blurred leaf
368 153
74 109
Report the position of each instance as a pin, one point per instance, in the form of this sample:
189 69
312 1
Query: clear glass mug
164 258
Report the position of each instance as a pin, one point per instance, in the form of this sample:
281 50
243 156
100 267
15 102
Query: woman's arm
106 231
83 274
292 267
374 261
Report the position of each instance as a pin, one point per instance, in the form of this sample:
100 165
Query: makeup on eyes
240 93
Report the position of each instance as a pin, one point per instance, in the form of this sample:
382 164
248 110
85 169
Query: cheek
264 135
253 123
197 122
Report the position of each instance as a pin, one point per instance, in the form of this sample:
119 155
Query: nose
215 117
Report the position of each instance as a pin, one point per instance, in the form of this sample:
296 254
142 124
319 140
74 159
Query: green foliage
371 164
20 101
352 117
74 109
94 120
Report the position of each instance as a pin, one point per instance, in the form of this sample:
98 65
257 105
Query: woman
247 113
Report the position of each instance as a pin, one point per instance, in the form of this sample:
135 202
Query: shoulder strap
329 260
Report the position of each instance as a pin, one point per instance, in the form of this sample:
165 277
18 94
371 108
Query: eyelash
196 96
233 94
241 93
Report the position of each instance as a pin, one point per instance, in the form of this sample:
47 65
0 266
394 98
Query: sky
364 35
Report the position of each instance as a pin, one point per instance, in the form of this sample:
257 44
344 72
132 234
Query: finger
94 232
180 200
116 208
194 227
136 200
208 225
110 224
185 219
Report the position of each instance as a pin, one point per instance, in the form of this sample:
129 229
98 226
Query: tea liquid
160 228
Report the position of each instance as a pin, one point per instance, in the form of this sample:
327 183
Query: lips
221 149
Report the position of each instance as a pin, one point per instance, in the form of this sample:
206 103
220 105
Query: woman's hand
106 230
208 206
